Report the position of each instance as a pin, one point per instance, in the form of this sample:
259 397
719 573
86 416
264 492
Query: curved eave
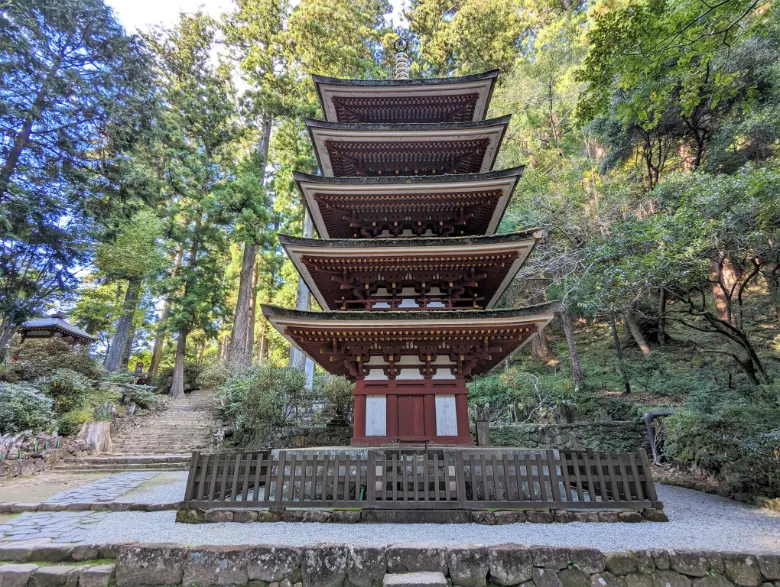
520 242
328 87
539 315
505 179
321 131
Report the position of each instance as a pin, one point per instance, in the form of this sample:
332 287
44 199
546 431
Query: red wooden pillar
430 416
392 416
360 416
462 407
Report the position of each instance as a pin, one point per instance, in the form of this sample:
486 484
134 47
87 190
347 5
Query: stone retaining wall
309 436
401 516
43 460
618 436
332 565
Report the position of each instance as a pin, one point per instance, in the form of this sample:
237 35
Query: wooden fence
434 480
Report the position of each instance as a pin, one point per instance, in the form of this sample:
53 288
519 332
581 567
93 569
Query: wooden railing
389 479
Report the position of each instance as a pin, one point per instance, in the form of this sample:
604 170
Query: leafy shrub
338 393
215 374
70 423
164 377
258 398
121 377
143 398
38 358
23 407
67 388
735 438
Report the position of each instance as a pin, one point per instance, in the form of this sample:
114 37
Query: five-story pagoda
408 267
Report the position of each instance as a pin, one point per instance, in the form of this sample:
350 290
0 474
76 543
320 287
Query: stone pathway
103 490
54 526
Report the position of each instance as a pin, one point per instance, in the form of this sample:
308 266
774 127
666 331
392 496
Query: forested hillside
144 179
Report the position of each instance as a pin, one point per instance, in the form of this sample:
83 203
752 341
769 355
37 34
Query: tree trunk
772 278
263 342
722 279
7 330
619 351
177 385
250 335
238 353
123 326
240 350
574 357
159 340
302 299
539 347
128 348
633 327
662 317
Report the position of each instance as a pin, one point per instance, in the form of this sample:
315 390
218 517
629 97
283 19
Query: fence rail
432 480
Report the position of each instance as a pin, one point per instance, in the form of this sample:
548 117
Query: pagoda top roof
469 272
345 149
54 327
447 205
456 99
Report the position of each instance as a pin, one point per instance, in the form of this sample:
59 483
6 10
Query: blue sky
138 14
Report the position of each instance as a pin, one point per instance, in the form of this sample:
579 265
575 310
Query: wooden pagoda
408 268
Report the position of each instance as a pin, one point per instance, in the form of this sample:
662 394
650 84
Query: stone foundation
618 436
404 516
331 565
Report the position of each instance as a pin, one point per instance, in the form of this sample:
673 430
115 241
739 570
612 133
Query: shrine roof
457 99
468 272
360 344
55 326
406 149
437 200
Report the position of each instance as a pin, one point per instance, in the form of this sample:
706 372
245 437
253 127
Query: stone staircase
160 442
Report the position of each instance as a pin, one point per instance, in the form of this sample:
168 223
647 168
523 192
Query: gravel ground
698 521
163 488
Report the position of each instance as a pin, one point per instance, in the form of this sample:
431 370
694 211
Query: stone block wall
335 565
620 436
309 436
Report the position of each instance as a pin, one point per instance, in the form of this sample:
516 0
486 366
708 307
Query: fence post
460 477
649 483
191 476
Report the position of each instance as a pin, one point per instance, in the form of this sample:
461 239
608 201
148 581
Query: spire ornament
401 60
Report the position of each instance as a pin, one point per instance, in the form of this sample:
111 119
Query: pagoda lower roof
461 272
432 344
442 205
457 99
345 150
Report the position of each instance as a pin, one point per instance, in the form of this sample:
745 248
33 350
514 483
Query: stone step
122 460
421 579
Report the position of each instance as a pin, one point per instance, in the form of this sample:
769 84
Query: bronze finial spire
401 60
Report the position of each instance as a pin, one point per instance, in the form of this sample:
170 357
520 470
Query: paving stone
545 578
509 564
99 576
17 551
366 565
324 565
468 565
65 576
421 579
50 553
411 558
742 569
620 563
215 565
16 575
271 563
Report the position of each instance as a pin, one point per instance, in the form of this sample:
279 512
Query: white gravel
167 487
698 521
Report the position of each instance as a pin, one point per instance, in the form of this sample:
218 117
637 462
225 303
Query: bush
23 407
40 357
143 398
733 437
259 398
338 393
215 374
164 377
67 388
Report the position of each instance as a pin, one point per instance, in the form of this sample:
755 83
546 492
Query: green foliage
40 357
258 398
733 437
165 377
338 393
66 387
143 398
23 407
